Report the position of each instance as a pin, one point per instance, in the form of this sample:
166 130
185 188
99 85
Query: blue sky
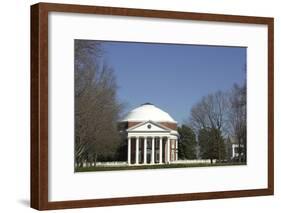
173 77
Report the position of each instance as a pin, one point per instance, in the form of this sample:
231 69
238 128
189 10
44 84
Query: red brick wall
127 125
131 124
169 125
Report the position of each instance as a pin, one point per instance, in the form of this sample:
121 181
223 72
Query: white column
152 151
176 149
168 150
160 150
129 150
137 150
233 150
144 150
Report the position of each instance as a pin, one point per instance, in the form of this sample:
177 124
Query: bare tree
97 109
211 113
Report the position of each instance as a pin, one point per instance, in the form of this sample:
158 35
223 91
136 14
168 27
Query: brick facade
126 125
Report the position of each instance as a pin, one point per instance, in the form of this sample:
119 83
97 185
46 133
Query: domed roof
148 112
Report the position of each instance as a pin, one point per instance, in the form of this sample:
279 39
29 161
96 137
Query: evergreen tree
187 143
211 144
228 149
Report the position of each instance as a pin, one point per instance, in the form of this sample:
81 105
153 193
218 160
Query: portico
158 152
151 147
151 136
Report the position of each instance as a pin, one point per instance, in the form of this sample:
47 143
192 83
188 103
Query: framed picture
133 106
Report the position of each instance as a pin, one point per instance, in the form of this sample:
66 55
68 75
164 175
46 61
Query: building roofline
149 121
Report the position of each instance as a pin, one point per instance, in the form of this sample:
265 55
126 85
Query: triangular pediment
149 126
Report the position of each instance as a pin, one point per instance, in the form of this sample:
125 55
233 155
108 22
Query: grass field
156 166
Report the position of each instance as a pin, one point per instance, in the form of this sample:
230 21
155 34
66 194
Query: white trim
168 150
149 134
64 184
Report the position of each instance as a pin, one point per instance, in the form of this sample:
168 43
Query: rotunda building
151 135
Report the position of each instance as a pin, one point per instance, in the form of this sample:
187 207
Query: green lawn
162 166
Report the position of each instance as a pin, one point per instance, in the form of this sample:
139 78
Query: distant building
232 149
235 150
151 135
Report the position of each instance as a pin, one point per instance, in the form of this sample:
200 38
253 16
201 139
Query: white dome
148 112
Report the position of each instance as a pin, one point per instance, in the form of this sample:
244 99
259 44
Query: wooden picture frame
39 105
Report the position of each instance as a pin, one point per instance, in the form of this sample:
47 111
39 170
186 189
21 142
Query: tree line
216 122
